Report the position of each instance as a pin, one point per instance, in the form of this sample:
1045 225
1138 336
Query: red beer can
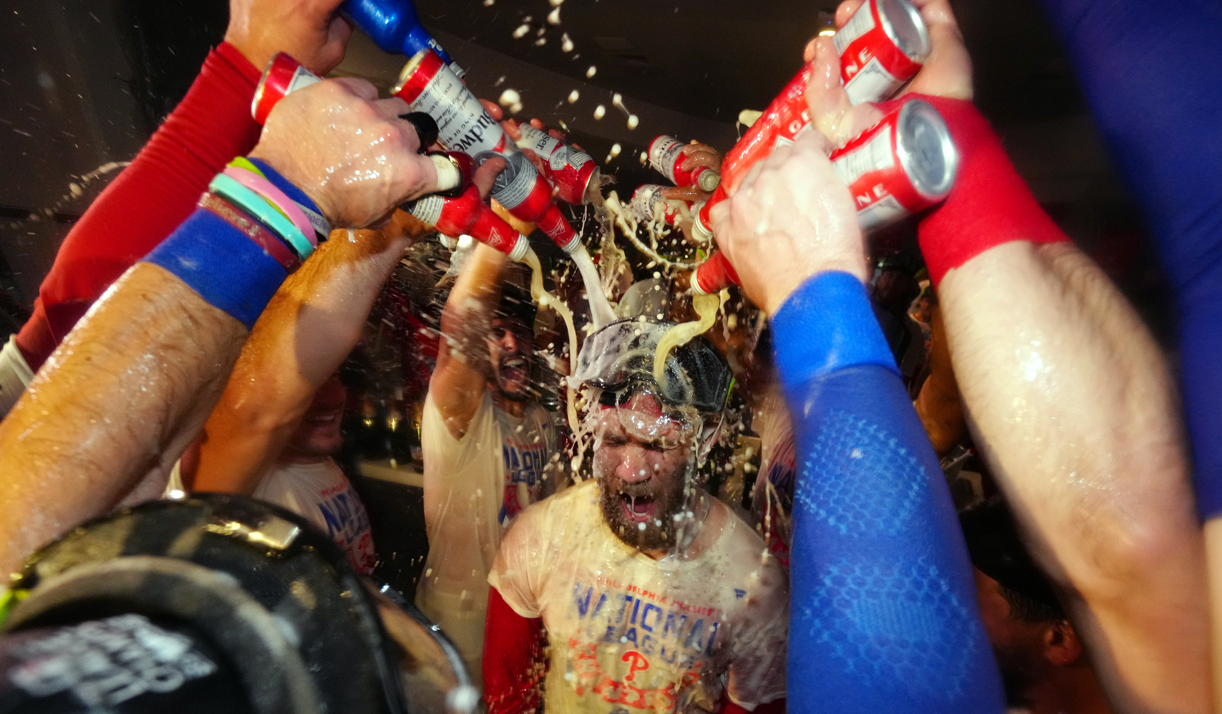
903 164
666 157
648 204
282 75
570 171
714 274
468 214
429 86
882 46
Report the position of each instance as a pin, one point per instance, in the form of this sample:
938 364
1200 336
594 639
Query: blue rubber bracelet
826 325
261 210
223 265
321 225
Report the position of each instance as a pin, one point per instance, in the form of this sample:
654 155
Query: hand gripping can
572 172
468 214
882 46
649 204
666 157
428 85
903 164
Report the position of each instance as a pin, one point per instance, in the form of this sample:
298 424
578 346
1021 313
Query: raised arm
210 126
878 566
303 336
129 388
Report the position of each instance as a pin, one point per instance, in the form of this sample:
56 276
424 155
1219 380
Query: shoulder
758 569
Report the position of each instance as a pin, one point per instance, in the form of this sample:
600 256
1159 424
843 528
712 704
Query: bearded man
651 593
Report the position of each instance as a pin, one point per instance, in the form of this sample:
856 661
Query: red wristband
271 244
990 203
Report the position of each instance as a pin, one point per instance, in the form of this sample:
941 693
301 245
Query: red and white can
282 75
903 164
429 86
882 46
649 204
666 157
467 214
714 274
570 171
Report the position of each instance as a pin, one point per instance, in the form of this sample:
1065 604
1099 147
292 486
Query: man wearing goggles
651 593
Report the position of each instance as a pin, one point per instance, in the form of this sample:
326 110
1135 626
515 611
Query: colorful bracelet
253 204
274 196
322 227
254 230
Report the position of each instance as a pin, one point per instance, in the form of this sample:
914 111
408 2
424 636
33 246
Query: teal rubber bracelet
261 210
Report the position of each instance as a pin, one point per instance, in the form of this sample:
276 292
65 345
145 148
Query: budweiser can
903 164
713 274
572 172
282 75
882 46
467 214
666 157
649 204
429 86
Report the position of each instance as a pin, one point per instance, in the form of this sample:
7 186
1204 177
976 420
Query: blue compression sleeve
1151 76
883 614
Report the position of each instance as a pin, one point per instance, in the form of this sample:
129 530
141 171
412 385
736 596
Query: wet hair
997 550
516 304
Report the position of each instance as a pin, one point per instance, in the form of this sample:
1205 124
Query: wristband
253 230
989 204
274 196
253 204
826 325
321 225
227 269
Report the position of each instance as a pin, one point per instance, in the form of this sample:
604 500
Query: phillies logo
636 662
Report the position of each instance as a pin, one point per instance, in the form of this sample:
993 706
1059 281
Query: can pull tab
426 129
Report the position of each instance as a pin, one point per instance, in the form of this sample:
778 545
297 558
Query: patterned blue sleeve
883 614
1152 81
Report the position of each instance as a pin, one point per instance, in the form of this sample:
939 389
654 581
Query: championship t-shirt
473 487
630 633
323 495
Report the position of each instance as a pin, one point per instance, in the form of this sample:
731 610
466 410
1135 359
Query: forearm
307 331
871 506
124 393
1072 403
148 200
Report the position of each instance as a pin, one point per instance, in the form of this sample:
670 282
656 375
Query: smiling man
651 593
488 445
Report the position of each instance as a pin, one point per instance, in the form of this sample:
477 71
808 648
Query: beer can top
925 149
903 24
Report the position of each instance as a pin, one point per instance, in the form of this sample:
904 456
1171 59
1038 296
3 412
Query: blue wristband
827 324
321 225
219 262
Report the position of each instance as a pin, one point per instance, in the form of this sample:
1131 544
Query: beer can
429 86
905 163
713 274
570 171
649 204
882 46
666 157
282 75
467 214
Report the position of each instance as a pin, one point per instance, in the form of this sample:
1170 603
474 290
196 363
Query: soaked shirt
473 488
772 496
323 495
629 633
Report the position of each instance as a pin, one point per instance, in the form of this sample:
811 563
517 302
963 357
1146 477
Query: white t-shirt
629 632
323 495
772 507
473 487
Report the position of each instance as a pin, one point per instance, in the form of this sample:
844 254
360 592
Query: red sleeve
147 201
514 663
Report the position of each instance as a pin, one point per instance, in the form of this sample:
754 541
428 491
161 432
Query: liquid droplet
591 71
574 96
566 44
521 32
553 17
600 111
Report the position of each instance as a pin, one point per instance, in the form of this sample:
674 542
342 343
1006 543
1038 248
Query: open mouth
330 416
513 368
638 508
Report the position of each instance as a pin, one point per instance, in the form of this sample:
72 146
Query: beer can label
871 81
539 142
874 155
859 24
301 78
462 123
880 213
427 209
514 184
664 154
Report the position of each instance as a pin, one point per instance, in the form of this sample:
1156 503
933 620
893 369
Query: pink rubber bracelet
276 198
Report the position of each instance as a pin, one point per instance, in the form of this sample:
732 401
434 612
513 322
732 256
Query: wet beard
659 531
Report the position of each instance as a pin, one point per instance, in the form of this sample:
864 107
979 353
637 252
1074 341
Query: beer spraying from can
903 164
573 173
428 85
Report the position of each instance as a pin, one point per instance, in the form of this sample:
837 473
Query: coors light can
882 46
666 157
572 172
429 86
